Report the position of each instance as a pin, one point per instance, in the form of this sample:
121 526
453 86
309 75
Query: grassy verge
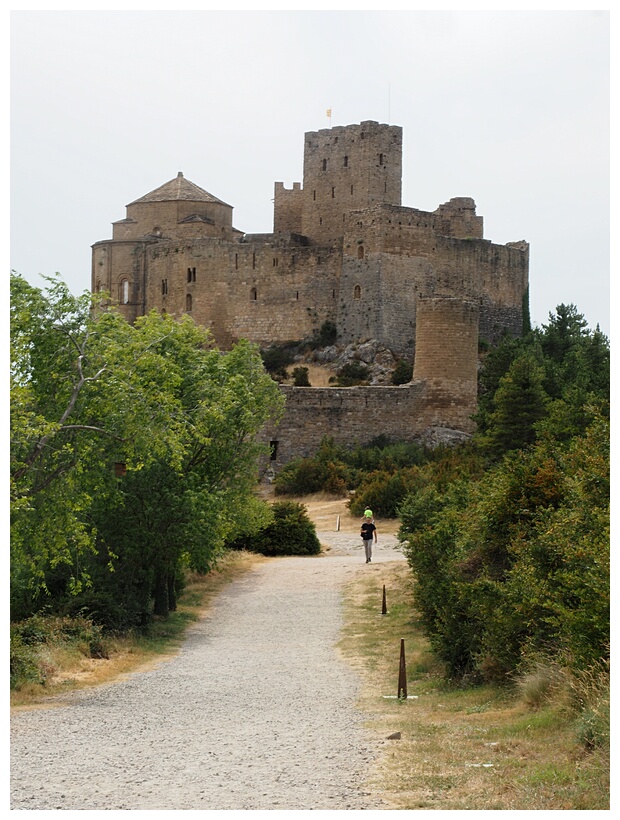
66 666
480 748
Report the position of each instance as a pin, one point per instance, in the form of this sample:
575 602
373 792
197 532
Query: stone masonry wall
351 415
348 168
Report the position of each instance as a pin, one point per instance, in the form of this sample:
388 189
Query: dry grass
479 748
69 670
324 511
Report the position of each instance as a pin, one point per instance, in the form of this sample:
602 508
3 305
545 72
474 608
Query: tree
518 404
89 390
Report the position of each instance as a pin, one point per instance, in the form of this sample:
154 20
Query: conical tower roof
176 189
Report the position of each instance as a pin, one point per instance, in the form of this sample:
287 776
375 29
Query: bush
351 374
384 492
403 372
290 533
327 334
23 665
300 377
30 637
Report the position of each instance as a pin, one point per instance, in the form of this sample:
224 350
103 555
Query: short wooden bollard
338 524
402 673
384 605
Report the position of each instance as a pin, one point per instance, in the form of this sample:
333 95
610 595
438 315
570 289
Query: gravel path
257 711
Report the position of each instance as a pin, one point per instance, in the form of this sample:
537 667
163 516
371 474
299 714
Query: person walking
369 531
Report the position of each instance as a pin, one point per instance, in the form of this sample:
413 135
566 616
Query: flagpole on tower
329 116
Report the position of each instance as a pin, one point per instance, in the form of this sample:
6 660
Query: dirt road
257 711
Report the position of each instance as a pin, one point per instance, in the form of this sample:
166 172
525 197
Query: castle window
191 274
351 190
314 195
297 295
124 291
346 161
333 192
253 295
320 220
236 261
275 261
156 231
357 292
360 252
293 259
188 303
334 293
254 260
380 159
362 135
325 165
164 287
273 445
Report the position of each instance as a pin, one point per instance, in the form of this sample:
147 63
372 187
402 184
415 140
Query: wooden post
338 524
384 606
402 673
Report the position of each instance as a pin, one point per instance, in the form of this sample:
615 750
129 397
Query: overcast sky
510 108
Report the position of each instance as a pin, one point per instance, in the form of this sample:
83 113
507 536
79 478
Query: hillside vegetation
507 535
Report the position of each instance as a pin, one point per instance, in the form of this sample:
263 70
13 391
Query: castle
344 250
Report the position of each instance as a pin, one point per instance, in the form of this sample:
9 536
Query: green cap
368 513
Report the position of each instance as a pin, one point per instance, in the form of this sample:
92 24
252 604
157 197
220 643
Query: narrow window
191 274
360 251
380 159
124 291
314 195
351 190
320 220
334 293
164 287
333 192
362 135
297 295
236 261
346 162
253 295
325 165
357 292
254 260
274 450
293 259
188 303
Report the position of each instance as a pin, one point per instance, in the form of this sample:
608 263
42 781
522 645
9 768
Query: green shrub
278 356
384 492
23 664
324 472
351 374
291 533
300 377
29 637
403 372
327 334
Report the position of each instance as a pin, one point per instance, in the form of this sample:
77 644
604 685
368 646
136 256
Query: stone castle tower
427 285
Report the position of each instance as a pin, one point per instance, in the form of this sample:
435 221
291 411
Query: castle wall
287 208
348 168
263 291
113 265
446 359
350 415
